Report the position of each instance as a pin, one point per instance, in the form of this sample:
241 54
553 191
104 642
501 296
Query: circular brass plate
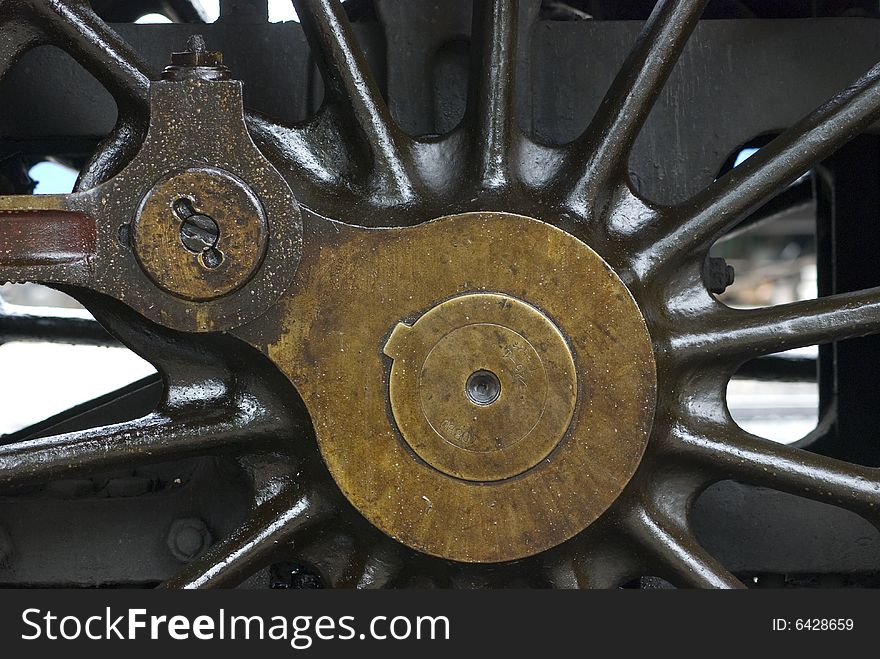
243 233
354 286
506 338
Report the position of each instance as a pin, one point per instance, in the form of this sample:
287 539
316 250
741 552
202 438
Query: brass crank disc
482 386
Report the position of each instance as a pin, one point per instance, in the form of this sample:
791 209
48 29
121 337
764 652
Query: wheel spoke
720 206
101 51
728 452
76 28
602 565
380 565
602 152
493 100
151 439
18 38
275 524
739 334
676 553
352 91
293 149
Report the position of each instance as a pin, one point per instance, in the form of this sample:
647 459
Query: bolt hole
183 208
483 388
123 235
211 258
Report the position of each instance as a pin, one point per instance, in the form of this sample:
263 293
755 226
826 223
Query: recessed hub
520 386
483 387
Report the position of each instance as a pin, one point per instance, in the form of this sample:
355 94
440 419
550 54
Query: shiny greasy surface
352 161
446 350
181 114
355 285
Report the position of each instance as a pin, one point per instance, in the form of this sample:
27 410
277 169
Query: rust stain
46 237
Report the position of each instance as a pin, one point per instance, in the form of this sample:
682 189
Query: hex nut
188 537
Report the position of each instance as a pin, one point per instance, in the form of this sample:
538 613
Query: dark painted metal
781 368
847 203
753 531
352 161
275 523
554 99
20 323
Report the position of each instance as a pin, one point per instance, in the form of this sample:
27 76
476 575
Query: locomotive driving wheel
458 359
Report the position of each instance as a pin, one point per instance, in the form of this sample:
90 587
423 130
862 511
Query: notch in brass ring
507 347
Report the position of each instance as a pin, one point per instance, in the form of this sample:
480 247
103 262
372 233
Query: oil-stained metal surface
198 150
37 237
530 491
600 505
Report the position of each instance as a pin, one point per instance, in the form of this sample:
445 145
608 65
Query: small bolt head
199 233
187 538
717 274
196 62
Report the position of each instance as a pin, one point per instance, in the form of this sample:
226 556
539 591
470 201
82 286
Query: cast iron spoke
292 147
151 439
20 323
602 152
729 452
564 572
99 49
676 553
593 567
114 152
493 96
350 86
719 207
75 27
735 335
18 38
378 567
273 526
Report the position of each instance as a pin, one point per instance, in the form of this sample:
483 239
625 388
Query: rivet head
188 537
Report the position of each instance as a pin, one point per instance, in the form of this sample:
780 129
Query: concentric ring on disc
502 338
360 284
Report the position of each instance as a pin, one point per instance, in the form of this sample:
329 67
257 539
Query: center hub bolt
199 234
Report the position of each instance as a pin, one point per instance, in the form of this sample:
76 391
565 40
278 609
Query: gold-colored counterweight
481 386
